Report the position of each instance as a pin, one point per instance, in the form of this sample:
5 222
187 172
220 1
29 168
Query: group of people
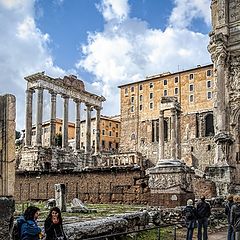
29 229
232 210
197 217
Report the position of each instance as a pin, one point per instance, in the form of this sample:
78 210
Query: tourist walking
190 214
203 213
228 208
235 217
28 227
53 225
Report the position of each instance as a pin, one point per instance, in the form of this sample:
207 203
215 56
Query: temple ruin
37 157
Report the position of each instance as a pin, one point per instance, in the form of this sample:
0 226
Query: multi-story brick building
109 133
140 110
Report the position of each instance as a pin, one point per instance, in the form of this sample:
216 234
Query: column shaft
161 135
53 119
77 126
173 134
28 123
39 117
97 131
88 130
65 122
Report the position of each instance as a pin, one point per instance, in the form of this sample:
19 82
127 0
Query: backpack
16 233
189 214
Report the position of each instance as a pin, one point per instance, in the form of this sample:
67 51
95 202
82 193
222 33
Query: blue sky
104 42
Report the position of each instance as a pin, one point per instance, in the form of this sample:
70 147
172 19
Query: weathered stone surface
7 207
94 228
7 144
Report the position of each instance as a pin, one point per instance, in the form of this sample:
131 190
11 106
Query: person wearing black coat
190 214
203 213
53 225
228 208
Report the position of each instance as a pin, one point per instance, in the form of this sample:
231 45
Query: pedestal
170 183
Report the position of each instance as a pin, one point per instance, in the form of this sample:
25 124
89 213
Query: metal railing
116 236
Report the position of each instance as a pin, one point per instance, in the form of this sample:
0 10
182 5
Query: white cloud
129 50
23 50
112 9
187 10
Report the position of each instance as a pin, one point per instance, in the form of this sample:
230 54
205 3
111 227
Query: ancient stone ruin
36 157
224 48
7 163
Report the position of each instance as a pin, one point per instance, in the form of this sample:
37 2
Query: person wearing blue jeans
190 215
202 225
203 213
228 208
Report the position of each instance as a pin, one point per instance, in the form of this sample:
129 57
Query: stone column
173 134
77 125
28 123
65 122
161 135
53 119
88 130
39 116
60 196
97 131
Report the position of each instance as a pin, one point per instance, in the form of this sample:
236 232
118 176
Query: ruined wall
111 185
100 186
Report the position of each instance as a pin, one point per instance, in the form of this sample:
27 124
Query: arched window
165 130
209 128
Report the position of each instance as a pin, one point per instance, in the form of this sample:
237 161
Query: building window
60 129
110 133
209 84
132 99
191 76
126 91
165 82
103 132
209 73
191 98
140 87
140 98
151 85
140 107
132 89
165 92
191 87
209 127
116 134
176 79
116 125
151 95
132 108
110 124
103 144
133 136
151 105
209 95
176 91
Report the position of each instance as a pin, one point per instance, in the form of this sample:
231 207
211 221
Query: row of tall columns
174 135
39 119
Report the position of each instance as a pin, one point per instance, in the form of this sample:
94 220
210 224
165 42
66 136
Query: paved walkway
218 236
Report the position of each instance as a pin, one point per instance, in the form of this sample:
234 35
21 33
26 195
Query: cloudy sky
106 43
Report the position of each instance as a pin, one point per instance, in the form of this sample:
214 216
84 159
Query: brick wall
108 185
